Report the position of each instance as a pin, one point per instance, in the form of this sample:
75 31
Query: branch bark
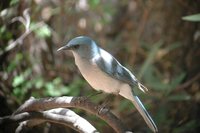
34 106
61 116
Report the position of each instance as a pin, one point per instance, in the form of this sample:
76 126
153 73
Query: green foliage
22 84
125 105
13 64
26 82
187 127
13 2
55 88
20 79
75 86
192 18
150 58
161 115
154 79
156 83
42 32
4 33
99 124
179 97
93 3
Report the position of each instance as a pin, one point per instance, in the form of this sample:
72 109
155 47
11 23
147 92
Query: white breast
98 79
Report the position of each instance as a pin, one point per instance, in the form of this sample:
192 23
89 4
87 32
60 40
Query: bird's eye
76 46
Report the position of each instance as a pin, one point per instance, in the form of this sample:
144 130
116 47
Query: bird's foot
104 106
102 109
82 99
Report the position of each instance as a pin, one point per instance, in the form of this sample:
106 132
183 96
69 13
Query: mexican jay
103 72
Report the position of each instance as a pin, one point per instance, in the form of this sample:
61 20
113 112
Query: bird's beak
66 47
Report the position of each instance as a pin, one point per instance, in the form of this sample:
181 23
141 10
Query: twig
25 20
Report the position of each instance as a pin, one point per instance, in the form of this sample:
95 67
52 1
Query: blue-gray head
83 46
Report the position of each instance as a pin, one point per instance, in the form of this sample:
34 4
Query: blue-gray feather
115 69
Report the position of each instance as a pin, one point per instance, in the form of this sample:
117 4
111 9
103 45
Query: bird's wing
107 63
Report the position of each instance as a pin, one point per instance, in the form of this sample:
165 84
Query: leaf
179 97
49 86
187 127
13 2
4 33
162 113
150 59
50 90
57 81
94 3
192 18
13 64
125 105
18 80
42 32
2 29
75 86
175 82
55 88
17 91
173 46
155 82
39 83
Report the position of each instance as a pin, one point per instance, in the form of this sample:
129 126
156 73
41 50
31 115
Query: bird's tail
127 92
139 106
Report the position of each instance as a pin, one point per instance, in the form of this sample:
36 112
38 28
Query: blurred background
157 40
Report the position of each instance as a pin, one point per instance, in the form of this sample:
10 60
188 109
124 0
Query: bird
104 73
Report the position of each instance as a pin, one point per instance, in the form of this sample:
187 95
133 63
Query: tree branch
25 20
33 105
60 116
